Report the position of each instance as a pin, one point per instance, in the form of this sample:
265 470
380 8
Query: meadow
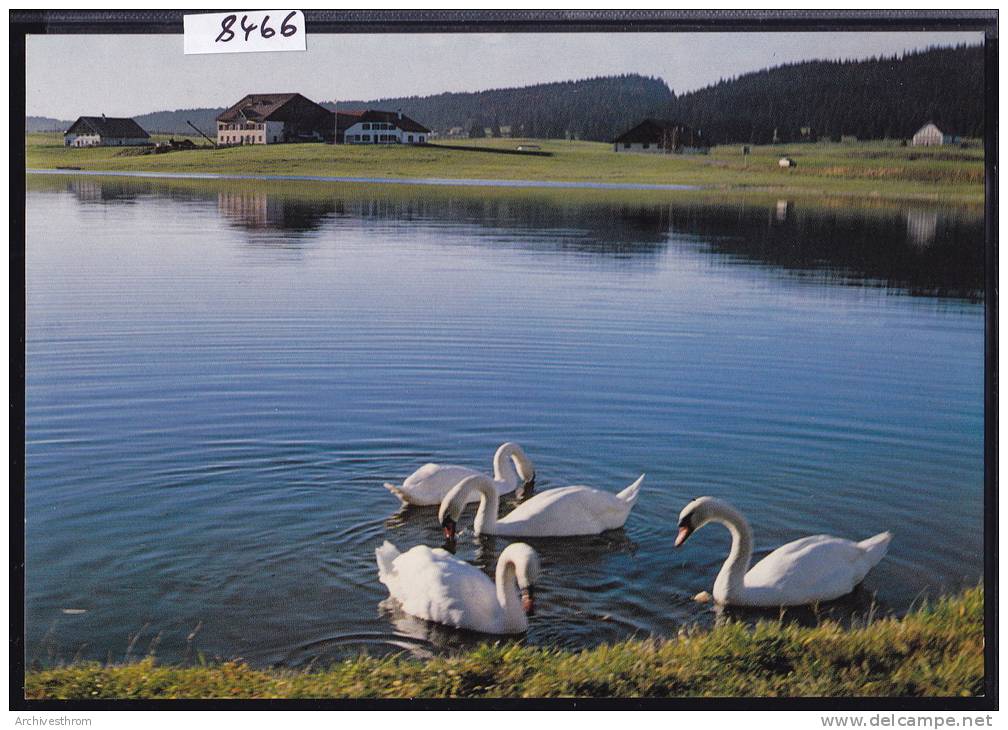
871 170
934 651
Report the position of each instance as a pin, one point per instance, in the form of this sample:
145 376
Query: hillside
46 124
874 99
593 109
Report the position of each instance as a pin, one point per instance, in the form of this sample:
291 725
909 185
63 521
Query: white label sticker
245 31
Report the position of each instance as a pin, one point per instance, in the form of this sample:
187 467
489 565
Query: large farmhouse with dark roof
378 127
274 118
659 135
105 132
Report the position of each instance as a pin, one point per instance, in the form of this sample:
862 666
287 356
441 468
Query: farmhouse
105 132
274 118
378 127
660 135
929 136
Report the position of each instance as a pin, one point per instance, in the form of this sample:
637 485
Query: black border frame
24 22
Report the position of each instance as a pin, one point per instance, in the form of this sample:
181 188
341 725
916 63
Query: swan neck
486 513
730 582
508 595
504 467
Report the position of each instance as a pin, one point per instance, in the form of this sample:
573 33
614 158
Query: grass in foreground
867 170
934 651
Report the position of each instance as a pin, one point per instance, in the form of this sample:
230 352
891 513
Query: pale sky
72 75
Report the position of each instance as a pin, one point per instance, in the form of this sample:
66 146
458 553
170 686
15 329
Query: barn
105 132
660 135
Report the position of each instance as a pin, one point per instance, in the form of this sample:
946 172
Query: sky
73 75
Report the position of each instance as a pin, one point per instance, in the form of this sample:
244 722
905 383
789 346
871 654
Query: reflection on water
221 376
927 251
922 226
257 210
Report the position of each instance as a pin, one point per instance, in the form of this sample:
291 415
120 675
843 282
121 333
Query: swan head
526 562
455 501
697 514
523 465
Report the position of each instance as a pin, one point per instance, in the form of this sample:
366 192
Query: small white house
786 162
105 132
929 135
379 127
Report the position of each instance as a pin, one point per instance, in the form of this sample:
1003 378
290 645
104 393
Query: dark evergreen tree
873 99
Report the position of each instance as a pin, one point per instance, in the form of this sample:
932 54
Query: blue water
220 379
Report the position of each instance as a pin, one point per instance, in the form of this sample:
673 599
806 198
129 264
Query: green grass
874 170
934 651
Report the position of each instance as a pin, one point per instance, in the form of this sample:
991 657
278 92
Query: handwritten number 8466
226 34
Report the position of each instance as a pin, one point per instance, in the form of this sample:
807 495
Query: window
365 126
626 145
409 138
421 139
647 145
366 137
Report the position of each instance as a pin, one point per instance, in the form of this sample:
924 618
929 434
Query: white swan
817 568
436 586
563 512
430 483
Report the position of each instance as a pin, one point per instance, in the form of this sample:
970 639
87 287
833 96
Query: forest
883 98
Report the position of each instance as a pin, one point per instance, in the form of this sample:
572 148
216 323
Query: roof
257 107
929 124
651 130
345 119
110 127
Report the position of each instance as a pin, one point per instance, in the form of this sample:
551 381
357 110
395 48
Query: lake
220 376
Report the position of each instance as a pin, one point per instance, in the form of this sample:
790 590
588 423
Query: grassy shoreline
867 171
934 651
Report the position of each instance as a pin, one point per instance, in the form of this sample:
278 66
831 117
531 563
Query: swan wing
436 586
431 482
816 568
565 512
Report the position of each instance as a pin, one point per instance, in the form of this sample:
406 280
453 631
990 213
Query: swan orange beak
528 601
684 532
449 529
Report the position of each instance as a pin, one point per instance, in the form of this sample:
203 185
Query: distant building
929 135
378 127
105 132
274 118
660 135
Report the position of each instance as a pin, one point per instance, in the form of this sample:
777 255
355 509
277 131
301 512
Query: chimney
399 112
